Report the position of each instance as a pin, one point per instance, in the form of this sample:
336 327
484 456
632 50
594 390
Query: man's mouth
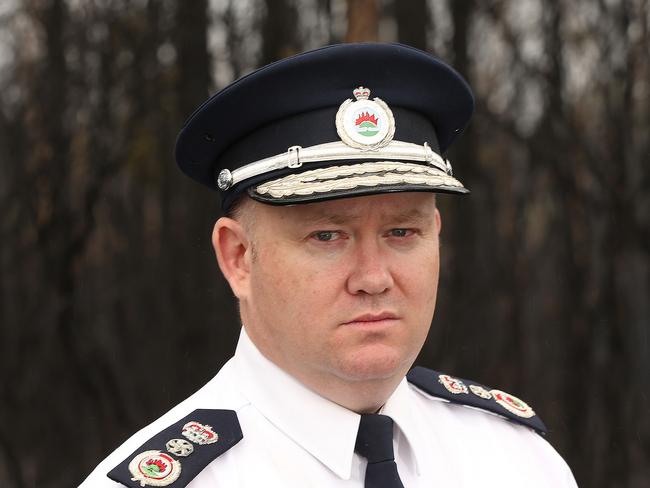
373 318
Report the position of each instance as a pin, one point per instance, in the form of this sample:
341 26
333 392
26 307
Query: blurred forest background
112 308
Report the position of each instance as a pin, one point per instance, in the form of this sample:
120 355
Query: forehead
383 207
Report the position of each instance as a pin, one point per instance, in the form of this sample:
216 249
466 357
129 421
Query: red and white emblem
364 123
513 404
453 385
154 468
199 433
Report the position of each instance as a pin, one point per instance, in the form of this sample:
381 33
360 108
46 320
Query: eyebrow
343 218
414 214
323 218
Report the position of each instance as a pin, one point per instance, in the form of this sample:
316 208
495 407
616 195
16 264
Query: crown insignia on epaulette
199 433
453 385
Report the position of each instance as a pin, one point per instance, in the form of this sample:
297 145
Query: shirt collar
323 428
401 408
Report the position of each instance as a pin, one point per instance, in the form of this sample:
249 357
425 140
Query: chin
373 366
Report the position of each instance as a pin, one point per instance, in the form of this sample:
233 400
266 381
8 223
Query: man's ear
232 246
438 221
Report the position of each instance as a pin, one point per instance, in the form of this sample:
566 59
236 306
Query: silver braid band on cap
371 174
296 156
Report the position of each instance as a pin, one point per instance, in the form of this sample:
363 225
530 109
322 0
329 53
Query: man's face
343 290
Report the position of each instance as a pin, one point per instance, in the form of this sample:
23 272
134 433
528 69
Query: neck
361 395
367 396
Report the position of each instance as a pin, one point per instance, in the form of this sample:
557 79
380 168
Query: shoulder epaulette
181 451
472 394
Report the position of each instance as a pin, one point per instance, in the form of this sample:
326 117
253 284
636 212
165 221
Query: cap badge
481 392
453 385
199 433
364 123
154 468
513 404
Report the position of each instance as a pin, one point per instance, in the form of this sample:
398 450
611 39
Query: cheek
418 281
420 272
287 283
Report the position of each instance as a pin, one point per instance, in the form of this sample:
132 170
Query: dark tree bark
412 22
193 61
111 305
363 21
279 30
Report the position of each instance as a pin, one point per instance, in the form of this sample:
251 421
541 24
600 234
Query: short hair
242 211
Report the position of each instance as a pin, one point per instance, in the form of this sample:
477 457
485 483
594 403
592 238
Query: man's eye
401 232
326 235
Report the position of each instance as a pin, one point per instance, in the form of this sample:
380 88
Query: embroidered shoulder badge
149 466
364 123
179 447
513 404
154 468
454 390
453 385
199 433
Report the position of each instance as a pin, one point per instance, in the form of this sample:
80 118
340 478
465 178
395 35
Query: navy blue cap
283 135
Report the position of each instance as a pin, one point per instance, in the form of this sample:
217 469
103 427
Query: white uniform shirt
296 438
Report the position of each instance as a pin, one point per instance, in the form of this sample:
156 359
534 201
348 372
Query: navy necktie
375 443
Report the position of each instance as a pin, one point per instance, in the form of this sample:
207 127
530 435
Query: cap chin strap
296 156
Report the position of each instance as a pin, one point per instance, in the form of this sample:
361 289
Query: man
327 164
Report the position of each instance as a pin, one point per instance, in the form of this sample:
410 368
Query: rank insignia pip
453 385
479 391
179 447
364 123
154 468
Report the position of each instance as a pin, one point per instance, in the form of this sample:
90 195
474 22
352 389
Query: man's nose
370 273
